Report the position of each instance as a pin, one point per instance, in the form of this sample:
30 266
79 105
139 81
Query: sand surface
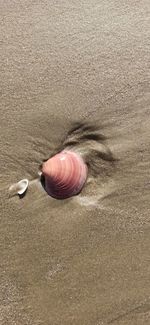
85 260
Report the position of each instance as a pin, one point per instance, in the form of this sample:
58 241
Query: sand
85 260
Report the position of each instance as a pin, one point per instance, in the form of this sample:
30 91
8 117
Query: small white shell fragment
19 188
39 173
22 186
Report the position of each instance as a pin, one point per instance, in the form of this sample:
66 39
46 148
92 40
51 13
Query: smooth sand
86 260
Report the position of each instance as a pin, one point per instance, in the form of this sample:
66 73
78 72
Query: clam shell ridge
65 174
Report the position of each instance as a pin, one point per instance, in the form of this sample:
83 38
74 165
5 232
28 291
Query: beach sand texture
84 260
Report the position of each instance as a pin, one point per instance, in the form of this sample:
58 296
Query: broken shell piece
19 188
22 186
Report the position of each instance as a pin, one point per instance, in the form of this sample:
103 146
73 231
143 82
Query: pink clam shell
65 174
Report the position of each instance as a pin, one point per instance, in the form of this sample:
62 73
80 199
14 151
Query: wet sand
84 260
